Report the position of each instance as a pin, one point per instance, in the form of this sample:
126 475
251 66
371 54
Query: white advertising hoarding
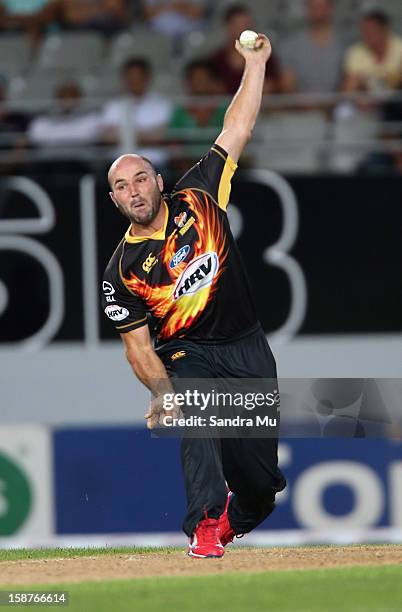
26 489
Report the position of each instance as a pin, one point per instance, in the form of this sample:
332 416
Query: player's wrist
257 68
256 60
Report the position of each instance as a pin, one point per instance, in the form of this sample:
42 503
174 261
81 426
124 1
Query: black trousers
248 465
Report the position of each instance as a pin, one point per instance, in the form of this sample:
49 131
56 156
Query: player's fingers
150 413
262 41
152 421
154 407
150 424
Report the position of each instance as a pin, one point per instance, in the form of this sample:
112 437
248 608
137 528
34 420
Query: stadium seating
71 51
351 136
290 141
35 91
294 141
157 48
201 44
165 83
103 84
15 53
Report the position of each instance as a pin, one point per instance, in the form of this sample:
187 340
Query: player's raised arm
242 113
149 369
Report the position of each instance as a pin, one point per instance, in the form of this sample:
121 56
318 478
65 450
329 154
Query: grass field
21 554
352 589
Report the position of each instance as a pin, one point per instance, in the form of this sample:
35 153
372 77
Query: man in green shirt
197 122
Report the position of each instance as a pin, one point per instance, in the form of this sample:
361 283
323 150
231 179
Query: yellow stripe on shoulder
225 182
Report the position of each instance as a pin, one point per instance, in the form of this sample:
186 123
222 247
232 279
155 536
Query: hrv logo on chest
199 273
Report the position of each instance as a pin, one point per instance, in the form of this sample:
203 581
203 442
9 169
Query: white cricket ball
248 38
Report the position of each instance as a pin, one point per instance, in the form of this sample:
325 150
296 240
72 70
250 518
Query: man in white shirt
68 123
142 111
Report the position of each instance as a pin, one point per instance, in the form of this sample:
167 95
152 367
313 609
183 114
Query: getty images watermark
226 408
219 399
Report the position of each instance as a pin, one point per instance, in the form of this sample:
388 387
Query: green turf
357 589
17 554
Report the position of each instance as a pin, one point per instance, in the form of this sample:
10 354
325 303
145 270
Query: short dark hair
145 159
202 64
234 9
377 15
137 62
148 161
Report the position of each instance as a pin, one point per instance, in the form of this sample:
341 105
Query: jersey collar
159 235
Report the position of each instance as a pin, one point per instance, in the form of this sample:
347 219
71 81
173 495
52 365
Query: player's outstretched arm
242 113
149 369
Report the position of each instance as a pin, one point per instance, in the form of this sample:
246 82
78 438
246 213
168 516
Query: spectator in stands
228 63
15 12
311 60
175 17
198 121
68 123
375 63
147 110
202 81
21 15
105 16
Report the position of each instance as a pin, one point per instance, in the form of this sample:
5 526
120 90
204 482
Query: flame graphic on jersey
179 314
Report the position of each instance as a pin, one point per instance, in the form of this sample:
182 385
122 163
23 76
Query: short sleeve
111 114
213 174
124 309
354 60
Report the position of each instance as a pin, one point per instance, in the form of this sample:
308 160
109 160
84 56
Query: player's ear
113 198
159 180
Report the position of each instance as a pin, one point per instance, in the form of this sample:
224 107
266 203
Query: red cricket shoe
205 543
226 533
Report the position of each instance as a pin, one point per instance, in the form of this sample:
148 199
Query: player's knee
266 495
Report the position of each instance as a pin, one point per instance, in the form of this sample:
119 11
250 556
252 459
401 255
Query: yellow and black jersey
188 276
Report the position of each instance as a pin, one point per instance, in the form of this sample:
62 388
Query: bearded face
136 190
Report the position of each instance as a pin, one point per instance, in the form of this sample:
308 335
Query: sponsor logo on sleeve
107 288
116 313
187 226
199 273
179 256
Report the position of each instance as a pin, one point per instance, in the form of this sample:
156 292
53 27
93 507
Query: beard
147 213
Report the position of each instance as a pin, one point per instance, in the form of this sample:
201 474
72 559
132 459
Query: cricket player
178 262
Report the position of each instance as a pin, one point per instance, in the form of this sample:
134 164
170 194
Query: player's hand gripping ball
255 48
248 39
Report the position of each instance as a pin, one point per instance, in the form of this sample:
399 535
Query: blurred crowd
320 72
